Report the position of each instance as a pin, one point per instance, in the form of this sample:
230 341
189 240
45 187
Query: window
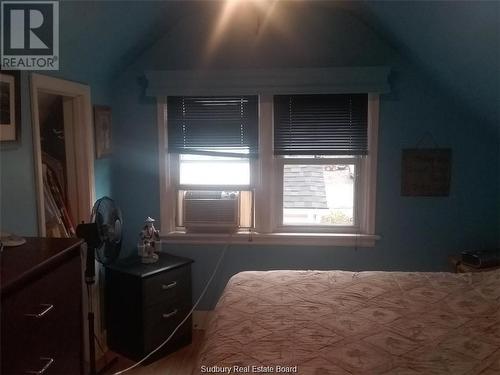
212 143
304 166
319 192
213 170
319 143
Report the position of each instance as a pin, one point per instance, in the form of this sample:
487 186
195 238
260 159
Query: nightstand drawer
167 286
160 322
166 311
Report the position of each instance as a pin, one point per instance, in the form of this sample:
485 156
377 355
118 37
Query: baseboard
201 318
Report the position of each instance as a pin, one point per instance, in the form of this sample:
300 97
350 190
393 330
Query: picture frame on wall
102 129
426 172
10 106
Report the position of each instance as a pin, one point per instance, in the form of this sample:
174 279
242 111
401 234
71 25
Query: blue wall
17 180
417 233
498 187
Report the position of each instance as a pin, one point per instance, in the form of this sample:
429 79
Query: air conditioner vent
211 211
202 194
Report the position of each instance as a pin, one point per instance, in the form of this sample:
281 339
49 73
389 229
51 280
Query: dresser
41 316
144 304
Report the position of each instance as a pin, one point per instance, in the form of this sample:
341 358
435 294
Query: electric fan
103 236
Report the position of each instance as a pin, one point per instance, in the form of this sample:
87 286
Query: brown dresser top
19 265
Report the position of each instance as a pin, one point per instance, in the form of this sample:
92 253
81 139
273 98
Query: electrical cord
219 261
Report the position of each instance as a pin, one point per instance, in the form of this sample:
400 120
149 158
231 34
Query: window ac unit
211 211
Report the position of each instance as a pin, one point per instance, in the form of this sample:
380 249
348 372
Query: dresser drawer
167 286
22 335
41 324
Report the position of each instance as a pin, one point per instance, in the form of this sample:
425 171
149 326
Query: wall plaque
426 172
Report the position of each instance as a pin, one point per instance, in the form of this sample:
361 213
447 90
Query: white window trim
370 167
277 238
267 192
167 180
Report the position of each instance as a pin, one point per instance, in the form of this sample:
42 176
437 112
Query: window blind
222 126
333 124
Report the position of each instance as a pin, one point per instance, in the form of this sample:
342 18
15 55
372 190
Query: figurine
149 236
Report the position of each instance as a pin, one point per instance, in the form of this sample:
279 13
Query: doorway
64 154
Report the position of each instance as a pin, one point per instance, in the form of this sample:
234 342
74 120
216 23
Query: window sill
301 239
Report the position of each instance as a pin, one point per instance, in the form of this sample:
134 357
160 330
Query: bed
338 322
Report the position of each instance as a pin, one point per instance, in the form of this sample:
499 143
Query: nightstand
144 304
459 267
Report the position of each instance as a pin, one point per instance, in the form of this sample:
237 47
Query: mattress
337 322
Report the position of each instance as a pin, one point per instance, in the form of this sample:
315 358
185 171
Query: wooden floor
178 363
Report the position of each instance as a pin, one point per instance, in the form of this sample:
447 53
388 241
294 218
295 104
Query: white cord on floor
219 261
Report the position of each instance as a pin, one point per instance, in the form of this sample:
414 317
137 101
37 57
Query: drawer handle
169 315
169 286
49 363
47 308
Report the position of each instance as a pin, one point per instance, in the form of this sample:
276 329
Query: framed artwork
10 106
426 172
102 129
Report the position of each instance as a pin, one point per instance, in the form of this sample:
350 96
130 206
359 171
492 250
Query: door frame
82 141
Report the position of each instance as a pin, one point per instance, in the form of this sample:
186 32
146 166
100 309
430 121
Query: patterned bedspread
336 322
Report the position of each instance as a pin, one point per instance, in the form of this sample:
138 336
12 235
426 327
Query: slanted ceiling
98 39
457 43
